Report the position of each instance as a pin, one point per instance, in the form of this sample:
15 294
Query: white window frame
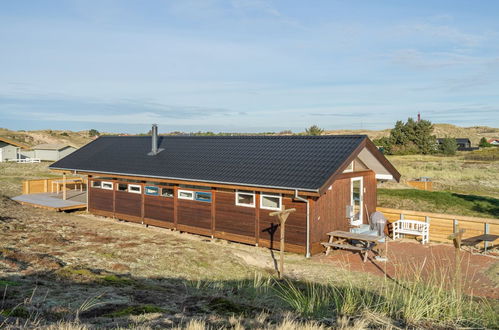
107 182
262 195
252 193
185 191
361 198
349 167
96 181
135 186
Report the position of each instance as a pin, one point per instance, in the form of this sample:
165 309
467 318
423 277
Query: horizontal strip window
187 186
271 202
96 184
245 198
186 194
151 190
203 196
134 188
107 185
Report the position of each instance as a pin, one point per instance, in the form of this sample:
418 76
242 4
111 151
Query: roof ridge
242 136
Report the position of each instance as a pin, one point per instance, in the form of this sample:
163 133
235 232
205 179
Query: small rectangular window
151 191
134 188
166 192
349 168
203 196
96 184
107 185
271 201
122 187
245 198
186 194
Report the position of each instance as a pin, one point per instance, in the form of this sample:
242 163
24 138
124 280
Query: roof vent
154 141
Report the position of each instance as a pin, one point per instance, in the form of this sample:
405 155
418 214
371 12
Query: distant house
494 142
49 151
463 144
10 149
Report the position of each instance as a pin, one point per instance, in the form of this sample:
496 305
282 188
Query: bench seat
411 227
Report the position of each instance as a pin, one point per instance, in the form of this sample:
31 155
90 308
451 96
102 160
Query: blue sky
247 65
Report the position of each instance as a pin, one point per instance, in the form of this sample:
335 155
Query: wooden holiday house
226 186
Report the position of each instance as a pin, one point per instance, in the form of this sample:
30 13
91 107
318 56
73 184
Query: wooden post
88 192
64 194
486 231
283 216
456 238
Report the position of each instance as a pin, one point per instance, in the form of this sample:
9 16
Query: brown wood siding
100 199
234 219
158 208
329 211
296 225
194 214
128 203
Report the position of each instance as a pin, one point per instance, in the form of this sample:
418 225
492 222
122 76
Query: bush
448 146
411 137
314 130
93 132
483 143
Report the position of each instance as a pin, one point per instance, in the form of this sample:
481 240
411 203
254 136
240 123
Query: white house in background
49 151
494 142
10 150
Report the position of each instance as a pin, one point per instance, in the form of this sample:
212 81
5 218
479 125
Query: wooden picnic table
475 240
339 239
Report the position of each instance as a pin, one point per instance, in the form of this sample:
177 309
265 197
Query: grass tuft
135 310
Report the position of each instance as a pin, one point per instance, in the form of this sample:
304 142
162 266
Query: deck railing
46 185
442 225
26 160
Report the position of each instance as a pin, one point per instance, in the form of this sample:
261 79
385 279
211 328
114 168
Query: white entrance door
1 155
357 200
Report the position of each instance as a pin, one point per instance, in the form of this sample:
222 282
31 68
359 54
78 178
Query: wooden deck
76 200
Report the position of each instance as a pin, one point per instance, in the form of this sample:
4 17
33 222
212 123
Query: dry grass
454 174
56 266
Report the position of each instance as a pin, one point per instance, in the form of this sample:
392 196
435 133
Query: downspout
308 221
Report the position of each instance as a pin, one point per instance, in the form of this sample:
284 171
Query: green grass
414 303
18 311
439 202
8 283
135 310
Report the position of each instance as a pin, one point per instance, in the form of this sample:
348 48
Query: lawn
474 173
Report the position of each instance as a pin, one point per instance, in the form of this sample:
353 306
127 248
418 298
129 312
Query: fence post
401 216
454 225
486 231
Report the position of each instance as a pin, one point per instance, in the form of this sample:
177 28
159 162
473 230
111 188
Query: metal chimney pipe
154 139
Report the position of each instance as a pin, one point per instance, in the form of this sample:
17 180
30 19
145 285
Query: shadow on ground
101 298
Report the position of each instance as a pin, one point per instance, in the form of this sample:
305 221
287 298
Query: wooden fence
46 185
442 225
421 185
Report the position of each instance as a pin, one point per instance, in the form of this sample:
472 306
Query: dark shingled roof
294 162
